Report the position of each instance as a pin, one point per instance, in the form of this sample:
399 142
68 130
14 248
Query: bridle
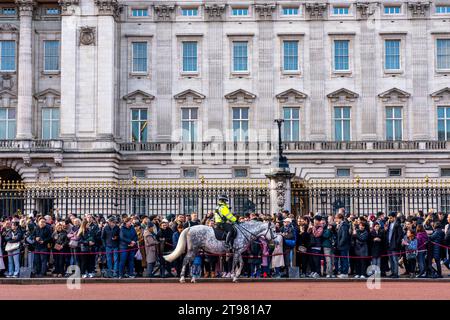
269 229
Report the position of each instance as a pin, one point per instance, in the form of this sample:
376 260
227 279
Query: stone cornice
25 6
108 7
215 11
265 10
164 12
316 10
365 9
66 4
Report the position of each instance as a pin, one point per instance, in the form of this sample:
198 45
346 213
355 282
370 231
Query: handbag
302 249
12 246
138 255
73 244
58 246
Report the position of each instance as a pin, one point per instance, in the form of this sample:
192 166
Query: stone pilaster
280 189
25 70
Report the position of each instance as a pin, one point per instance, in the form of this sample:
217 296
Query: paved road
231 291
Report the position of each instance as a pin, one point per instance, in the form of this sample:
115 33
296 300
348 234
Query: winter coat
343 236
164 236
422 239
328 238
141 243
14 236
108 234
411 248
126 236
45 235
447 235
61 239
361 247
437 237
151 246
316 237
395 243
278 259
255 253
83 241
265 254
377 248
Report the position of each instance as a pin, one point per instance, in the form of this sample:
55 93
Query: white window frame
436 38
133 9
59 56
350 55
343 168
394 119
391 5
342 119
51 122
188 9
402 52
340 6
293 7
249 50
447 135
299 52
240 119
241 168
139 120
8 121
187 169
133 74
15 56
291 120
232 8
438 5
196 71
133 170
193 123
8 15
130 12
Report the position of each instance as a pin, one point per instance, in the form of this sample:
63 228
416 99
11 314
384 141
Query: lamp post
282 160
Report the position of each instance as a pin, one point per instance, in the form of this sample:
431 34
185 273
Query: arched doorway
11 198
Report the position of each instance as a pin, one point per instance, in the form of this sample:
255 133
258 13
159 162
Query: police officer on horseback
224 219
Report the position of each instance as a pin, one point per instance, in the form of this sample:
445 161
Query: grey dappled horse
203 237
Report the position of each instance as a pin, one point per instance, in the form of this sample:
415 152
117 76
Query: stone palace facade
107 89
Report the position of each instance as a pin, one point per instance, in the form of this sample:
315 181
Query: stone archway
8 174
11 199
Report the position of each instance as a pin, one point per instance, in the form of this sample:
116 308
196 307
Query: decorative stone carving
48 98
240 96
443 94
108 7
281 194
138 96
8 27
27 160
8 99
393 95
265 10
58 160
418 9
189 96
365 9
66 5
291 96
164 12
342 95
215 11
87 36
25 6
7 81
316 10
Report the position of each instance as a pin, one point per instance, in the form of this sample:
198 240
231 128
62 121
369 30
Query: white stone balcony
31 145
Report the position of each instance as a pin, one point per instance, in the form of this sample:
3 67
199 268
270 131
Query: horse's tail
181 247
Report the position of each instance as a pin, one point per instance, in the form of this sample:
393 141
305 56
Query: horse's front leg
237 260
187 260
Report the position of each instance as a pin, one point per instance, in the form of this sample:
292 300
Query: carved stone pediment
164 12
316 10
291 96
441 95
265 10
8 99
240 96
190 96
138 96
8 27
48 98
215 11
343 95
394 94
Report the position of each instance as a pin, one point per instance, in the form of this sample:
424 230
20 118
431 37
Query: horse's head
270 233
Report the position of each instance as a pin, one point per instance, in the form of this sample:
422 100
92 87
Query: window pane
190 56
441 130
240 56
338 130
51 55
135 114
341 59
185 113
443 53
398 130
290 55
236 113
295 130
244 113
287 131
392 54
194 113
3 129
139 56
135 131
143 131
8 56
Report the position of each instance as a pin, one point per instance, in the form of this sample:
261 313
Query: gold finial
357 179
427 179
202 180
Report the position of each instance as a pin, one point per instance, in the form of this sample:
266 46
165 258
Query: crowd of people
315 245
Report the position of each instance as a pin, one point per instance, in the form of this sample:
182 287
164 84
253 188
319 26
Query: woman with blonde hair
74 245
84 241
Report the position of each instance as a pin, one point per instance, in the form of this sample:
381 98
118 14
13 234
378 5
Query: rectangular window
240 124
190 56
139 125
239 12
392 54
189 123
50 123
442 9
392 9
341 58
9 11
290 11
394 124
443 54
7 123
445 172
52 11
51 55
240 173
139 12
240 56
291 124
342 123
290 55
340 10
139 56
138 173
189 173
443 123
8 55
343 172
192 12
395 172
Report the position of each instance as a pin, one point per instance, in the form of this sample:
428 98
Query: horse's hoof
235 279
193 280
182 280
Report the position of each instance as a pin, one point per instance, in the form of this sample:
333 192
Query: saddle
220 234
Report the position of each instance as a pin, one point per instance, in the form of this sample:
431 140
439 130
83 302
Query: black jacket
377 248
361 239
343 236
437 237
14 236
255 252
61 238
108 234
45 235
164 236
447 237
395 243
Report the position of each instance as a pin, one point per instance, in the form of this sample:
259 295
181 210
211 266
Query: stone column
280 189
25 70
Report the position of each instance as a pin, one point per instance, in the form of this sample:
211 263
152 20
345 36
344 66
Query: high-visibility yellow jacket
223 214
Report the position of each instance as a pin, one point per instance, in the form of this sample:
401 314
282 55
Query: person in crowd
164 237
74 242
94 235
377 243
127 246
85 242
255 259
288 233
178 263
316 231
210 260
151 248
29 243
342 245
437 239
304 246
277 257
42 237
422 239
265 259
110 237
361 237
447 242
140 261
394 240
328 244
196 268
410 244
13 241
179 220
193 221
60 247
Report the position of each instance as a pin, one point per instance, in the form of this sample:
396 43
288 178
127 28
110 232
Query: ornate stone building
104 89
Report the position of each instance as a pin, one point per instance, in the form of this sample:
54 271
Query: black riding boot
228 241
